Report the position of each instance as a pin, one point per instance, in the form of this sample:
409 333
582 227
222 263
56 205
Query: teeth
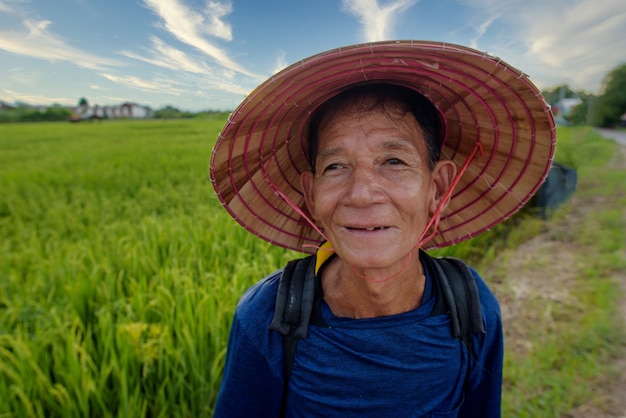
370 229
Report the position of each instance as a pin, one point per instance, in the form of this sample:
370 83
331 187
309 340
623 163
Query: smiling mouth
374 228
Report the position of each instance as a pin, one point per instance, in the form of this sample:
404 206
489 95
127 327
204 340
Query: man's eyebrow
329 152
400 143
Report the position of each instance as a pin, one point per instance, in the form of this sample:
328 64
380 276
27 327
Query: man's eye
394 161
331 167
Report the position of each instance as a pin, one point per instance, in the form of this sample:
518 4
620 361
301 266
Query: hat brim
261 152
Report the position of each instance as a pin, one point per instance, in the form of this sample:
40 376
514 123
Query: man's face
372 190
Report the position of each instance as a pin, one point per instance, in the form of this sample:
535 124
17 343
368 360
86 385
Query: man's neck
350 295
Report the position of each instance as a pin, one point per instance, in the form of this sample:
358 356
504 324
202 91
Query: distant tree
212 114
57 114
149 113
170 112
83 102
579 115
559 92
611 104
10 115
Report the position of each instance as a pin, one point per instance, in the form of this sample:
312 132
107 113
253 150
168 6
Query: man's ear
306 182
443 177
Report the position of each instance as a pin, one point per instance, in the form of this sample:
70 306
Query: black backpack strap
457 295
454 285
294 300
468 307
292 314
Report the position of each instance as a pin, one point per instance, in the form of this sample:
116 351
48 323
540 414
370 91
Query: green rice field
119 270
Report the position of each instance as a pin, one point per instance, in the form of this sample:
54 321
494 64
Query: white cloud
583 47
216 26
225 86
12 96
281 62
376 20
5 5
562 41
482 29
165 56
161 86
24 76
199 74
190 27
38 42
180 85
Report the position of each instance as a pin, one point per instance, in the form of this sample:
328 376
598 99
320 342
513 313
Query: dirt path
554 253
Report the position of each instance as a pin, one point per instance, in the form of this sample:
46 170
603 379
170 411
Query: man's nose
363 186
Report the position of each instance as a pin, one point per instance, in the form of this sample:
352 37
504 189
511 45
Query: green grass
120 271
573 347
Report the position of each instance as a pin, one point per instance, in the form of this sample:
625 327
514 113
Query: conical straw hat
485 103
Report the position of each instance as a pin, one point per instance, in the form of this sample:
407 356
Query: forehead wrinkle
400 144
328 152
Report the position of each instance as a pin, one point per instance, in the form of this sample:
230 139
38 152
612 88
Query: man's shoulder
488 300
259 300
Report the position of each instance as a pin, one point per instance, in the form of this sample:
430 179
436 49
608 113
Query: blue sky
199 54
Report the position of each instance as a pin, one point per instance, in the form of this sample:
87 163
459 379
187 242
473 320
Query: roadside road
619 136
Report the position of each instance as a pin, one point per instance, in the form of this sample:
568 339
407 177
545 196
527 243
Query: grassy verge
570 338
571 341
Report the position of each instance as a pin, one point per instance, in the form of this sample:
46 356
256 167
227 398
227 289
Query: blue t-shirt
405 365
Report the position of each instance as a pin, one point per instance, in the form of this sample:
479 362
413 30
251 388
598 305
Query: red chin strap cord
432 225
436 218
